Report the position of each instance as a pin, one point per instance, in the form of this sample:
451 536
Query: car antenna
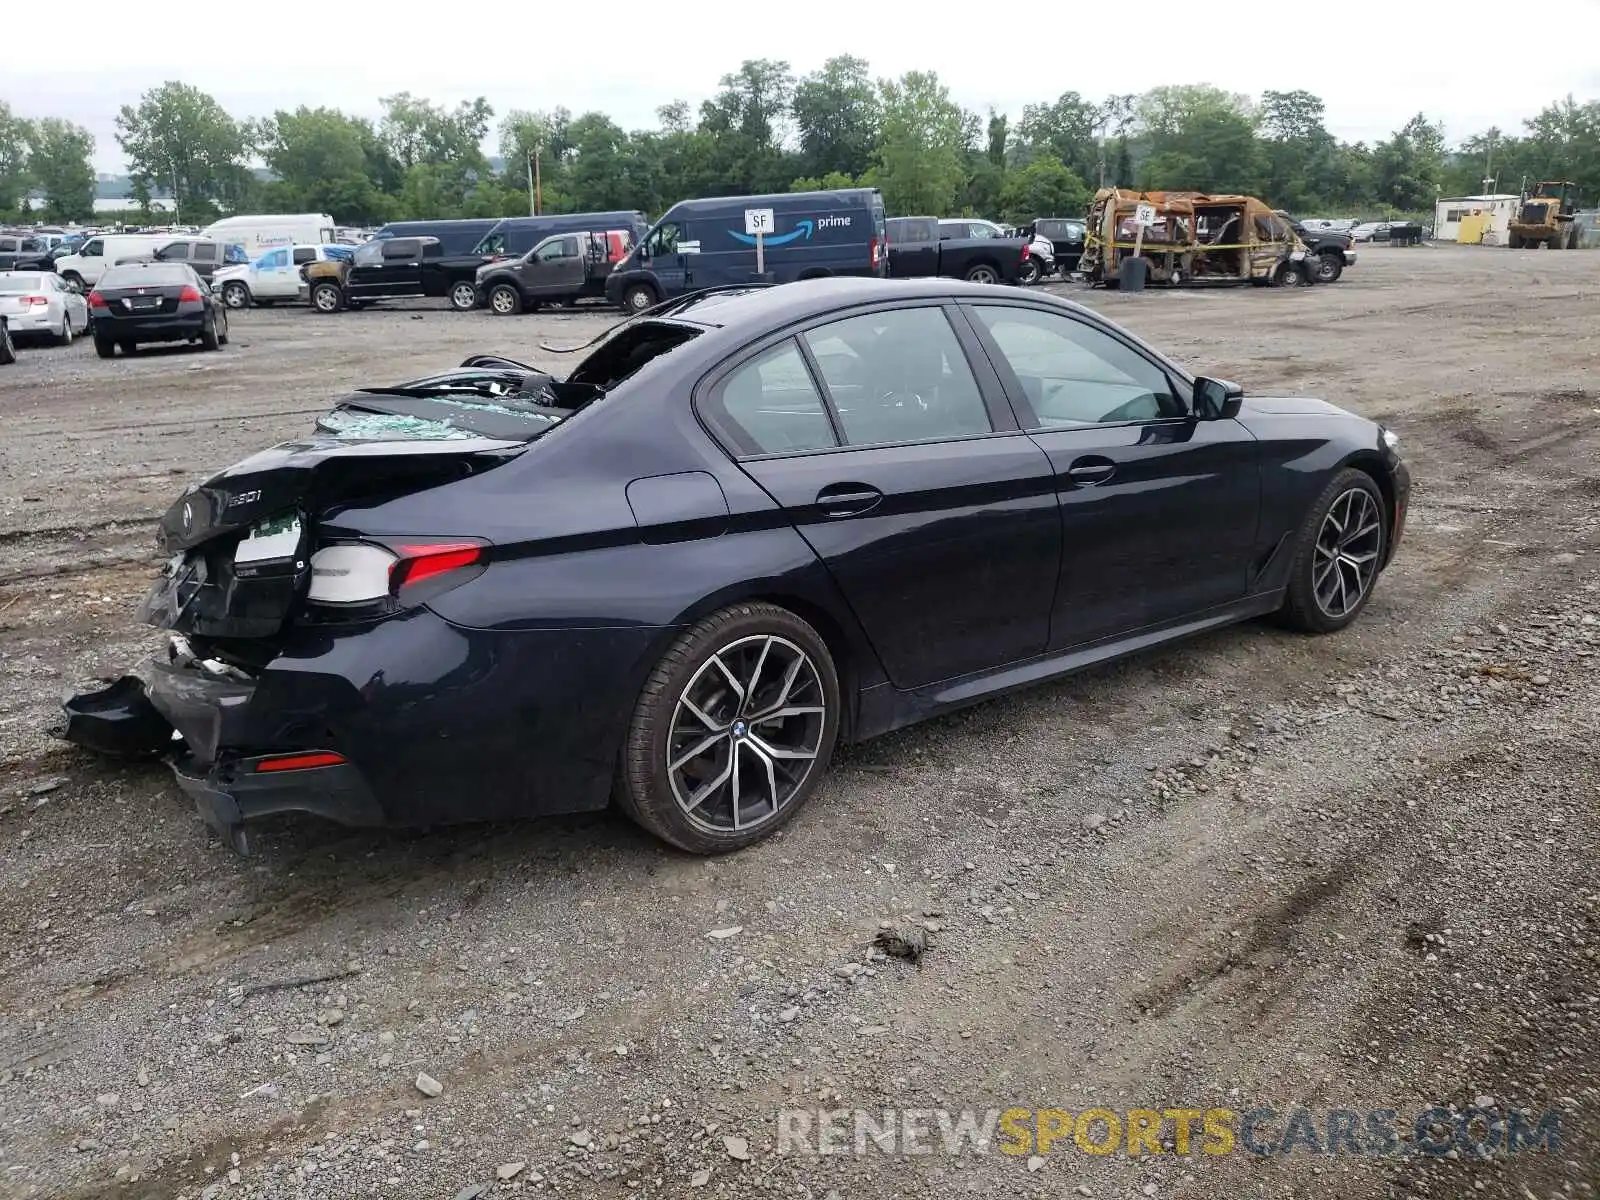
655 310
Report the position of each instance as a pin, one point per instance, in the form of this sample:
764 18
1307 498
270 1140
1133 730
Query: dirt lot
1257 870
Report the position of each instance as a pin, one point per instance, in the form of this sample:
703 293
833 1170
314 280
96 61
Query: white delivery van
83 269
258 234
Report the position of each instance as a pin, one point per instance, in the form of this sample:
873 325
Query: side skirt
884 709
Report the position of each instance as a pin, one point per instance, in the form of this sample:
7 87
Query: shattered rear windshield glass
371 426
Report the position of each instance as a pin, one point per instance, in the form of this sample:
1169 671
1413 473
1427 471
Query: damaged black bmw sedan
750 525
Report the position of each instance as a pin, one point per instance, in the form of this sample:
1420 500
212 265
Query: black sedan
748 526
154 302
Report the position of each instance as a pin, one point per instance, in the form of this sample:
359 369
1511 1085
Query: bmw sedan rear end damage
300 646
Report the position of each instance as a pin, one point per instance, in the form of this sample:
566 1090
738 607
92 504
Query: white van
83 269
258 234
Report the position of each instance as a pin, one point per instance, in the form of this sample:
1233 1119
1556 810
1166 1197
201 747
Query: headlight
1391 439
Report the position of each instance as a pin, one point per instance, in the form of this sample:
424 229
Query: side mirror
1217 399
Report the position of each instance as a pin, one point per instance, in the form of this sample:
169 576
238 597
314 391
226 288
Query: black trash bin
1133 273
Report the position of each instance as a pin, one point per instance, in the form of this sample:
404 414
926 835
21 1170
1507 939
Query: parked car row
133 304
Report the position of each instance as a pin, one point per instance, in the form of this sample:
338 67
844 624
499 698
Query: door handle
1091 469
848 499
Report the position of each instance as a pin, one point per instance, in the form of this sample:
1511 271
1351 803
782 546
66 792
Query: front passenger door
555 268
1159 510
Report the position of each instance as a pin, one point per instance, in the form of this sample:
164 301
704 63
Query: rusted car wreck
1196 240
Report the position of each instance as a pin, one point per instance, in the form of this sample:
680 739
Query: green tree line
767 130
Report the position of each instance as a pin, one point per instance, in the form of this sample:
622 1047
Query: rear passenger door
885 439
913 248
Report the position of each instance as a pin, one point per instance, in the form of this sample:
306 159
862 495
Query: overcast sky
1464 66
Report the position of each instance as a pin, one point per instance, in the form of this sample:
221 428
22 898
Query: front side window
770 405
93 248
173 252
898 376
272 260
664 239
566 247
370 254
1074 374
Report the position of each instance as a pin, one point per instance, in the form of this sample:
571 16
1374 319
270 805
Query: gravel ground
1255 870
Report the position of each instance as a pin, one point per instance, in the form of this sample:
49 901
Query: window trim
1027 419
990 385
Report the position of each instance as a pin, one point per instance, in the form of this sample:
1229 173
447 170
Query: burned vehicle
1196 240
751 525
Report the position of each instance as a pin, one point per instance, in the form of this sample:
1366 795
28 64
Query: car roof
819 297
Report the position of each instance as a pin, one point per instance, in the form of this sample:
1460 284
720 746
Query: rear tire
638 297
463 297
1030 273
1338 555
208 335
64 338
128 347
707 765
982 273
104 346
8 352
505 300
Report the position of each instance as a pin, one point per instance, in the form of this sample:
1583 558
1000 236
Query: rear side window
204 252
304 254
402 248
769 405
906 232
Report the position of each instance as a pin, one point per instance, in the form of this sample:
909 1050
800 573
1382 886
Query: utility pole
535 184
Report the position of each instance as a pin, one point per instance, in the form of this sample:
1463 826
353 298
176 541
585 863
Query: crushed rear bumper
192 715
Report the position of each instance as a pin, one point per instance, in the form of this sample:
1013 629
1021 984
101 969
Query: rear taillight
96 300
1025 254
34 301
401 573
188 293
876 251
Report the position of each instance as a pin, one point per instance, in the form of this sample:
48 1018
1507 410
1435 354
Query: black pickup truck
391 269
1330 249
917 251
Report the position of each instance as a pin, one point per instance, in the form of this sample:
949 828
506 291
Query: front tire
235 294
1338 554
639 297
1030 273
504 300
733 730
327 297
1329 267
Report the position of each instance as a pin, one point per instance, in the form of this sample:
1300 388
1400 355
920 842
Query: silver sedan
38 303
